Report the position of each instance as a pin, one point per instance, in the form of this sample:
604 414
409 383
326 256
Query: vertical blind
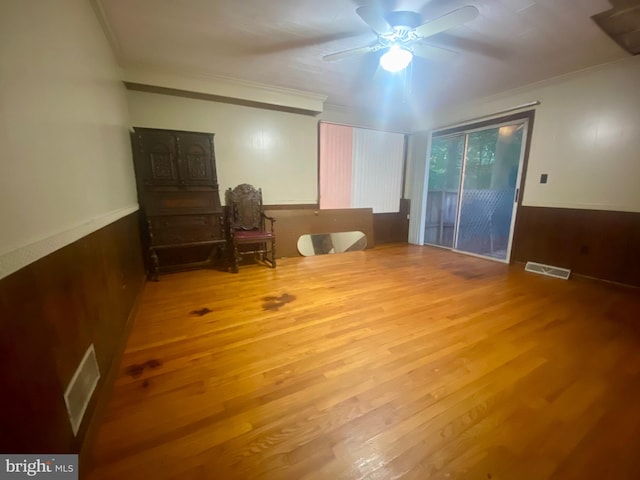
336 146
360 168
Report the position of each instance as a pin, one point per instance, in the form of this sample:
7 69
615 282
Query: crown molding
221 86
105 24
208 84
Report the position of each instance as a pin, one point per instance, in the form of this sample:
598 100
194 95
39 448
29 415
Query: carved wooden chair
248 229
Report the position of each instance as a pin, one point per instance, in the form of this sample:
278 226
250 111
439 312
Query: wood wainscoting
296 220
596 243
392 227
50 312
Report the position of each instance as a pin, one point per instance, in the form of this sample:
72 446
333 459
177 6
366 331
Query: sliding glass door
443 189
474 179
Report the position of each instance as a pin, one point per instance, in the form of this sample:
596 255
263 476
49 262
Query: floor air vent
548 270
81 388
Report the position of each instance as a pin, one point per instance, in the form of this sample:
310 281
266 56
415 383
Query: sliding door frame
526 117
463 169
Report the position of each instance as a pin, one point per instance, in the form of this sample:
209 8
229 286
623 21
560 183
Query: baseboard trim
14 260
106 389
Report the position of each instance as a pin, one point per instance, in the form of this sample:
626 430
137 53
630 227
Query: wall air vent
81 388
622 24
548 270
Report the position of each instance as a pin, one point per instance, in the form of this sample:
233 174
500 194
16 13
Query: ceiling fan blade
364 71
432 52
447 21
373 17
350 53
476 46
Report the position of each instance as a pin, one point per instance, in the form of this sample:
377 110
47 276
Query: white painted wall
274 150
418 149
377 121
586 137
65 167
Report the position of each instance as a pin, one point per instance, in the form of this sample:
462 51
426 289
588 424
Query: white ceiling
281 43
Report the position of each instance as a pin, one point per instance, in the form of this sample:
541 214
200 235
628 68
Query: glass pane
445 166
489 188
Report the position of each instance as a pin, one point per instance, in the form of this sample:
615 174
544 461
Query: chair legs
273 253
235 256
268 255
265 254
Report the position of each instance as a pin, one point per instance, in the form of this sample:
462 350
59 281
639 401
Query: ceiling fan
402 34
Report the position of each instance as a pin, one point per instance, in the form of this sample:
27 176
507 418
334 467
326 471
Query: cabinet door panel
156 161
196 159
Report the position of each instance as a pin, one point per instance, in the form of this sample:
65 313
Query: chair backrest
245 204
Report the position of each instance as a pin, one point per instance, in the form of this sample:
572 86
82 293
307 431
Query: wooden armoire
178 195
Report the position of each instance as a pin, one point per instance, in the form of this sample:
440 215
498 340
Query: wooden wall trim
295 220
50 312
295 206
14 260
595 243
392 227
292 223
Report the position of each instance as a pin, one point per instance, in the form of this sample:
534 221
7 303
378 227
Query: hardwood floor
397 362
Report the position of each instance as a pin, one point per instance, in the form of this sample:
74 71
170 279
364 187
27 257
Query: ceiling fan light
396 59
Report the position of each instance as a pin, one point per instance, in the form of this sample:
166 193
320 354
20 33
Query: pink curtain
336 156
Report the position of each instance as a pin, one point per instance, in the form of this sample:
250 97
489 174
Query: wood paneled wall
596 243
291 223
392 227
50 312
